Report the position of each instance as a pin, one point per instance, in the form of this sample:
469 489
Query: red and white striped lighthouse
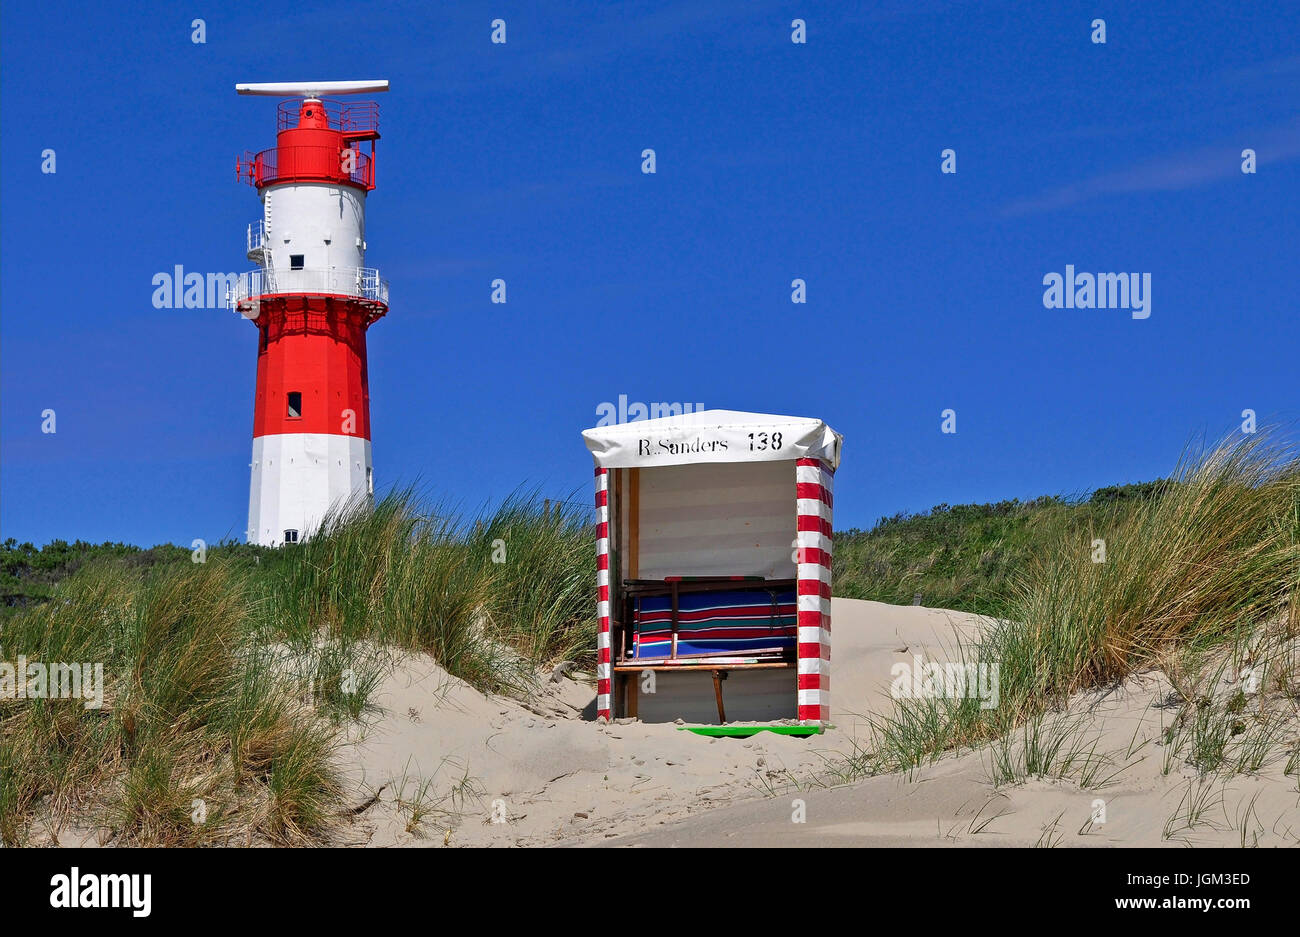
312 299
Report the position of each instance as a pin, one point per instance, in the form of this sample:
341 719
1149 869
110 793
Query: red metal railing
359 117
348 117
312 163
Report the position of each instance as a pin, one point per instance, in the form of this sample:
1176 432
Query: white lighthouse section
315 237
298 477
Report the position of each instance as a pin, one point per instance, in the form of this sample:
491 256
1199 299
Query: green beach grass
226 681
1212 559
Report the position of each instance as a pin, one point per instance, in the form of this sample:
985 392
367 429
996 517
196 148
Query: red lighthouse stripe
312 361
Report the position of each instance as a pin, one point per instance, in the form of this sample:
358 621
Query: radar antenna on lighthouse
312 298
312 89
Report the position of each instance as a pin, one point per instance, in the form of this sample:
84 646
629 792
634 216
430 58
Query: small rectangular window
295 261
295 404
291 536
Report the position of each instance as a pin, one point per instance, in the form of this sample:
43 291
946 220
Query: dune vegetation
968 557
1209 564
225 679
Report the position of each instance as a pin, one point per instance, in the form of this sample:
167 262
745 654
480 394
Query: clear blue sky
775 161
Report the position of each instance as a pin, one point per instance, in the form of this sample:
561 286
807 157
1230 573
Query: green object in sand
747 731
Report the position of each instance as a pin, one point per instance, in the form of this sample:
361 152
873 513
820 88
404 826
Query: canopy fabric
713 436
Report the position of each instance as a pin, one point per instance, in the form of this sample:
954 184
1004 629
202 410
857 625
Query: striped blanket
715 623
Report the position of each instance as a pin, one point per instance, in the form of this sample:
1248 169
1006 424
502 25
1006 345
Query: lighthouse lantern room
312 298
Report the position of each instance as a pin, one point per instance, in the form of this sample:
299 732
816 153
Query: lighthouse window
295 261
295 403
291 536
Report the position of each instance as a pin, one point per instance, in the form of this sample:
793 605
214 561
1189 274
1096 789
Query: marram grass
159 762
224 679
1212 559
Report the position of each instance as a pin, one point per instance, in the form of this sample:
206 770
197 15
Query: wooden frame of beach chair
696 524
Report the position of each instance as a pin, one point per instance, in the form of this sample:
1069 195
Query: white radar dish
312 89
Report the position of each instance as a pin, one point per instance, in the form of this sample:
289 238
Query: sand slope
954 802
484 771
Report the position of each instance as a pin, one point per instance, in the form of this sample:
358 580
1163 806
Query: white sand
548 775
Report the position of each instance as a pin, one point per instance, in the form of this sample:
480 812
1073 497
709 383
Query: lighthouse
312 298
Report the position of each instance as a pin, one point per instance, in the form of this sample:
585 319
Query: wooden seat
716 663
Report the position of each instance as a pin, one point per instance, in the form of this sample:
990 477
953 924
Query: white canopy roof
712 436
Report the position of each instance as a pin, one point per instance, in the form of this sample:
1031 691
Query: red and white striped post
604 672
814 484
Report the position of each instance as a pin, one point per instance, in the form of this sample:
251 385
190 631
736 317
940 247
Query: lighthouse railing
256 235
364 282
348 116
306 163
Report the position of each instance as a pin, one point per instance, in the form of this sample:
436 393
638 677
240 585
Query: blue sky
775 161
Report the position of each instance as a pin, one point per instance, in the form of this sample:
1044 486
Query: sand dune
475 770
954 802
